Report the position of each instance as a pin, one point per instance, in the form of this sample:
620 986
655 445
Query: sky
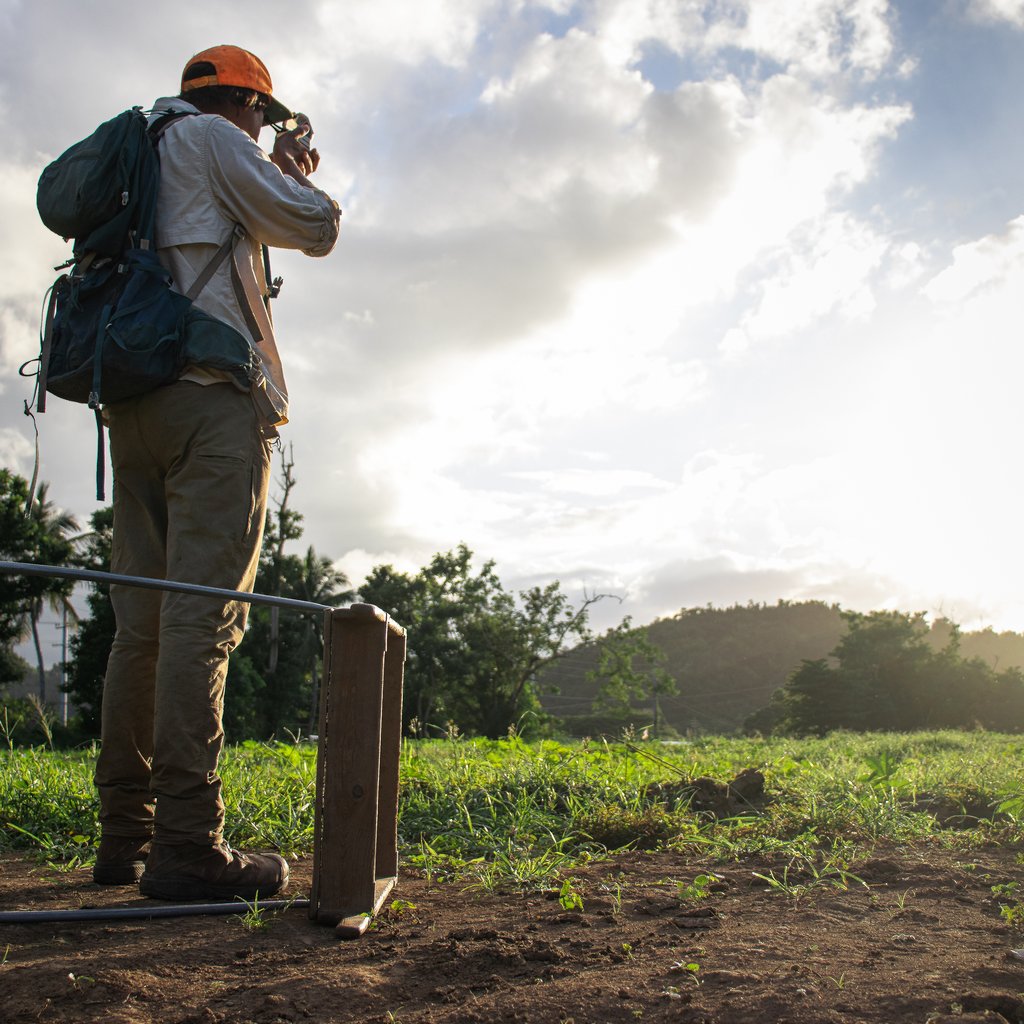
688 302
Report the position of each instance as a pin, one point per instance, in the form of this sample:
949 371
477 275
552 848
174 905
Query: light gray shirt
213 177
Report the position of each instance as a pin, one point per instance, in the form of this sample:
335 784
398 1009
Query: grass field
510 813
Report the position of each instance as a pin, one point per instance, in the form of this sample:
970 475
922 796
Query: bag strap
146 224
101 457
156 132
255 331
47 342
94 401
211 268
162 123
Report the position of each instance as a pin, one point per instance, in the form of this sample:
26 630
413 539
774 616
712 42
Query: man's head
235 83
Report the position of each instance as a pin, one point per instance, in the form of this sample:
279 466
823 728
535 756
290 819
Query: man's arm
276 205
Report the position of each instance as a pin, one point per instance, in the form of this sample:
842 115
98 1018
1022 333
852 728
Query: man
191 469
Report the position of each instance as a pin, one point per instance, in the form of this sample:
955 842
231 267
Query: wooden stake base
354 927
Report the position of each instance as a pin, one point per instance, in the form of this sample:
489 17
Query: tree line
476 649
889 673
485 660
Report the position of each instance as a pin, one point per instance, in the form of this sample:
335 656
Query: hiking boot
197 872
120 860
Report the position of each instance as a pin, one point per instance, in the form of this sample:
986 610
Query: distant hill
1000 650
729 661
29 685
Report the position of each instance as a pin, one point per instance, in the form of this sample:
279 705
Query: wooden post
390 754
355 850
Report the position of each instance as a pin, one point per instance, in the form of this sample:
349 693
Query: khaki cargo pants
191 471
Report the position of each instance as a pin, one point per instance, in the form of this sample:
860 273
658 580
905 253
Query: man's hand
292 157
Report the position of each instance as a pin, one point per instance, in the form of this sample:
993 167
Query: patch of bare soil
924 942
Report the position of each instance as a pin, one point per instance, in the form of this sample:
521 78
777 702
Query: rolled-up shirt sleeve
273 208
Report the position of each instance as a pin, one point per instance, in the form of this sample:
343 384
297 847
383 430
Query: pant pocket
259 483
236 473
254 475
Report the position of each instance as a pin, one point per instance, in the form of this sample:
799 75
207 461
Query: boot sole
118 874
186 887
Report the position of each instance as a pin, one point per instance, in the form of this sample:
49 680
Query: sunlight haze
689 301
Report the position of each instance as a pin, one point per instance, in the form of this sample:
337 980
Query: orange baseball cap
234 66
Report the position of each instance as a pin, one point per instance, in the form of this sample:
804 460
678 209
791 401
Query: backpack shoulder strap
211 268
148 184
156 131
162 123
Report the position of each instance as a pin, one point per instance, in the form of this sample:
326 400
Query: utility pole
63 645
64 665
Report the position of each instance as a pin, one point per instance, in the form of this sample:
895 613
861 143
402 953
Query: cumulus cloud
1011 11
551 188
444 32
818 38
829 271
28 253
989 262
15 451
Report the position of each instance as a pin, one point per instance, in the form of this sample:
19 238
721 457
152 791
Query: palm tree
54 541
320 583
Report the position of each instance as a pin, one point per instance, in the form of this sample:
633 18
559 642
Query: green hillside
729 661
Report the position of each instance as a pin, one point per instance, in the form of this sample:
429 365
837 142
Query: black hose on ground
127 913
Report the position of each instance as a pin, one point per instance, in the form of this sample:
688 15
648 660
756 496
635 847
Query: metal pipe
128 913
145 583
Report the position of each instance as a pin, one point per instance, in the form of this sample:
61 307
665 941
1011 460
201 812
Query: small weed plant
689 970
255 917
698 889
900 899
1012 910
570 896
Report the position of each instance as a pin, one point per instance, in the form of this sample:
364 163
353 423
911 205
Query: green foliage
698 889
638 827
474 648
90 645
27 721
38 533
255 918
689 970
732 660
885 674
569 895
1000 650
883 771
1012 912
12 665
804 874
630 669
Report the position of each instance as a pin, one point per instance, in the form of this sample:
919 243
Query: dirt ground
924 941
